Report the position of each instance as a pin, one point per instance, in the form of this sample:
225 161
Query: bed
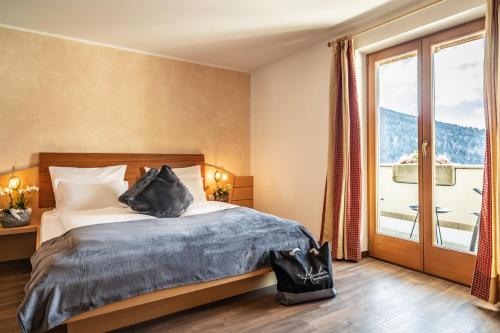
59 232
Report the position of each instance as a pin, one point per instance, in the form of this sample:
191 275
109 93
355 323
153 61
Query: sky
458 85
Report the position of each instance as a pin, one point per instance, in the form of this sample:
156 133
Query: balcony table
439 210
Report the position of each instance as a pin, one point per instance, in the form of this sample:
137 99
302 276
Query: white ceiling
238 34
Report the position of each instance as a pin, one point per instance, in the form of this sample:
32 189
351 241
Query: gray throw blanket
91 266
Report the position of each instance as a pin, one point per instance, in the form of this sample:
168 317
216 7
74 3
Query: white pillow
80 196
191 178
86 175
195 187
192 171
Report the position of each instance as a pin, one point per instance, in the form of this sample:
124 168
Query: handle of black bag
314 251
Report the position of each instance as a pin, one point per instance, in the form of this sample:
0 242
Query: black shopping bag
303 275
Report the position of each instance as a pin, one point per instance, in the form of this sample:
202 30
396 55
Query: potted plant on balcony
444 170
406 171
17 213
409 159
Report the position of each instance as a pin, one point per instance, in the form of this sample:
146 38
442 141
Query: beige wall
65 96
290 136
290 114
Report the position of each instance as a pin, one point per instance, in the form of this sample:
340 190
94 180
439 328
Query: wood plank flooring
13 277
374 296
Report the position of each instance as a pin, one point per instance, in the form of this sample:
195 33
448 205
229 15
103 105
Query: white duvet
71 219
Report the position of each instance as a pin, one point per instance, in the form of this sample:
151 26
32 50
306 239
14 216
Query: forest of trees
398 137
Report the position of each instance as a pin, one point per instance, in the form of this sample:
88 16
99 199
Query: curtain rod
357 33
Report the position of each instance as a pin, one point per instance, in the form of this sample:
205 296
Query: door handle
425 144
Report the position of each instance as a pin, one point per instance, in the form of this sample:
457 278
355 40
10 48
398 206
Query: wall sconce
222 190
220 174
14 181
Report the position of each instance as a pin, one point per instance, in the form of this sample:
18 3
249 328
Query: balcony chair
475 232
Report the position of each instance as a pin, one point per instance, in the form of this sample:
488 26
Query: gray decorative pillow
138 186
158 193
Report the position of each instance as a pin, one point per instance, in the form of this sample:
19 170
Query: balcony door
426 149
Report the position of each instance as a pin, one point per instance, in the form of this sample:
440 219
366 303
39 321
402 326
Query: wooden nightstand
242 193
18 243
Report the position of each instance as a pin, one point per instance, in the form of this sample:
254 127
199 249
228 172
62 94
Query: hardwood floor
374 296
13 277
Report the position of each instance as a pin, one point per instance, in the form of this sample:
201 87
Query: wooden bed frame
155 304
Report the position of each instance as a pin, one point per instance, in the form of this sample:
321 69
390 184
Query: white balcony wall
397 197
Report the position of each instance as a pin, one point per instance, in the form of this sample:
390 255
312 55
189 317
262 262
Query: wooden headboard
135 166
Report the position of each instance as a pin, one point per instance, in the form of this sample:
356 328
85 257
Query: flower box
445 174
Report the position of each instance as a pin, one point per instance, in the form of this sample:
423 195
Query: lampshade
220 174
14 181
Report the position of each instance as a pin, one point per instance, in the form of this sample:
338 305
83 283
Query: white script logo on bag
314 277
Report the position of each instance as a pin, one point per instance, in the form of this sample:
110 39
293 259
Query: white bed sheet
54 224
50 227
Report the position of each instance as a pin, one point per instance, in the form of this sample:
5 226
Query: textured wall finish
64 96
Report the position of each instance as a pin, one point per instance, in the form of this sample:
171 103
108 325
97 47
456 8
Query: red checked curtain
342 205
486 282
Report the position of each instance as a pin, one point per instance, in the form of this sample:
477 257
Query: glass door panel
394 166
397 163
459 136
453 126
426 139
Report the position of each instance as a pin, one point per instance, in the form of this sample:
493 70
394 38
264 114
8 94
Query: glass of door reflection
397 164
459 136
